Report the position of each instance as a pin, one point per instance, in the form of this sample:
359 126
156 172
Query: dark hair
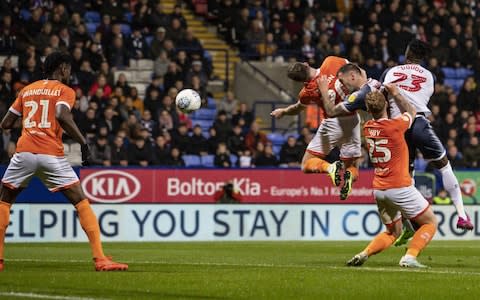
349 67
54 61
298 72
418 50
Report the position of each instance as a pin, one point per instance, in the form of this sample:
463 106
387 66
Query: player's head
376 104
352 76
58 65
417 51
299 72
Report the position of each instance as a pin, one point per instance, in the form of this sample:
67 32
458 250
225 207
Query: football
188 100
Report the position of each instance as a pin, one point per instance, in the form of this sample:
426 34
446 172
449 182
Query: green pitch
238 270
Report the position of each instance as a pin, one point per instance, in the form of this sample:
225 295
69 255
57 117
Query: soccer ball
188 100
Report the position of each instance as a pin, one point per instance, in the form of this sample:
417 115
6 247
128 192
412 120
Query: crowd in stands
126 126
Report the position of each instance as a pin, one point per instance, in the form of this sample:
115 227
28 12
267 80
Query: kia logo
111 186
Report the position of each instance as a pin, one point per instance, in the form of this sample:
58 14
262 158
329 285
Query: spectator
118 56
180 138
190 43
266 158
119 156
110 120
229 104
161 64
158 18
165 121
245 160
455 157
197 70
123 84
175 159
254 136
222 126
137 45
161 152
140 153
291 154
212 140
472 153
236 141
468 95
242 113
102 85
198 143
222 157
101 152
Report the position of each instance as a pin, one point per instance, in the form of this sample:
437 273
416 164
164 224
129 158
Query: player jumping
416 84
394 191
44 107
343 132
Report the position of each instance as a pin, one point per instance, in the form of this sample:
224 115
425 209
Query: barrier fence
144 204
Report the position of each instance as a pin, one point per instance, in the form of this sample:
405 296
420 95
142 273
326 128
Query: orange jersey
388 151
310 94
36 104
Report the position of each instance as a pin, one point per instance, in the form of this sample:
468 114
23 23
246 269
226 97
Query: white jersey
415 83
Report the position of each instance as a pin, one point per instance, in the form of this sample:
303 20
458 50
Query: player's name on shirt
42 92
414 67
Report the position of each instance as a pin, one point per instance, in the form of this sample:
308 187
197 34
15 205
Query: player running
417 85
44 107
343 132
393 187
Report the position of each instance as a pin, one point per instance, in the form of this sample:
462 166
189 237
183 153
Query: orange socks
421 238
4 221
316 165
381 242
89 223
354 171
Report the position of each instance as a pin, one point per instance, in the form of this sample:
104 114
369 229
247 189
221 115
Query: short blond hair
375 102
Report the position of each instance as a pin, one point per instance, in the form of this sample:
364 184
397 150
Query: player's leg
432 149
350 152
58 175
313 160
391 217
7 198
19 172
422 237
416 208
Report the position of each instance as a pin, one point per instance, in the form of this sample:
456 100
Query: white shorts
342 132
55 172
392 203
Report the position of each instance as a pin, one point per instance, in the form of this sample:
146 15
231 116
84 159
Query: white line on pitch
266 265
43 296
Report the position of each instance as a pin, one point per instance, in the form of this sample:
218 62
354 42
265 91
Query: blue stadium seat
25 14
91 27
205 114
211 103
233 160
449 73
464 73
92 16
455 84
276 138
207 160
192 160
126 29
276 149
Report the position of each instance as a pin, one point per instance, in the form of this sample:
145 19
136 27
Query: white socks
450 183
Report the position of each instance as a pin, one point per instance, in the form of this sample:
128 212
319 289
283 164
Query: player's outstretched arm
403 103
331 109
290 110
9 120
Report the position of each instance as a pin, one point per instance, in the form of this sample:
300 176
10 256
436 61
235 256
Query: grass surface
239 270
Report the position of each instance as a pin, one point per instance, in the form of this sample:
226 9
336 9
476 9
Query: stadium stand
158 61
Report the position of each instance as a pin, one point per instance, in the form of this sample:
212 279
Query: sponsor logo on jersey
111 186
352 98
